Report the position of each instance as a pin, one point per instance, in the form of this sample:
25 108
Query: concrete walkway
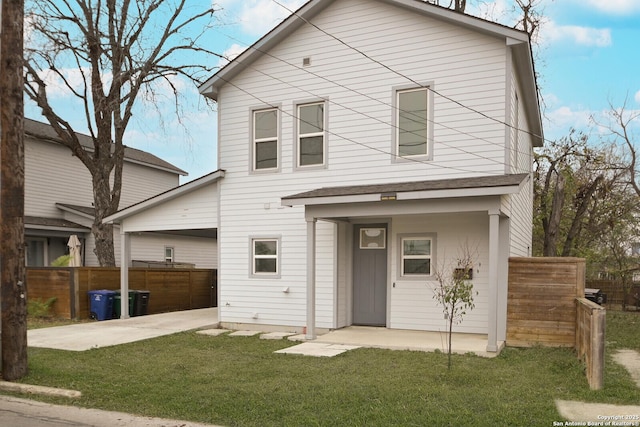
85 336
594 413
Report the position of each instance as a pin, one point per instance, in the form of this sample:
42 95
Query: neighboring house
363 144
59 200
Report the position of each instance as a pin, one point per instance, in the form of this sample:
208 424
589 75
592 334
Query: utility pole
13 288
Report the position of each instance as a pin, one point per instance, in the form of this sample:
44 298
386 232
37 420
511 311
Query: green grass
237 381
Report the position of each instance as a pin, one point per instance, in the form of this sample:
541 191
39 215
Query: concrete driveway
85 336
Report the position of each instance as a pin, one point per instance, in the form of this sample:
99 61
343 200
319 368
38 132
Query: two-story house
362 145
59 200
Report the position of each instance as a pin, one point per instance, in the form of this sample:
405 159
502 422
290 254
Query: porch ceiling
494 185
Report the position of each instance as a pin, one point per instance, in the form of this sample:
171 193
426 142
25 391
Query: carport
191 209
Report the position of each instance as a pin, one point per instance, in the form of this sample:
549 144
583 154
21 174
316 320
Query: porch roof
431 189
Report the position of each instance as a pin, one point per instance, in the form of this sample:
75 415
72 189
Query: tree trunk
553 227
104 206
13 292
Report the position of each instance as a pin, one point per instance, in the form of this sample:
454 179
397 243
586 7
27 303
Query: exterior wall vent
306 61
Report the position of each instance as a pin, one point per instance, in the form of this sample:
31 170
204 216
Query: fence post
596 376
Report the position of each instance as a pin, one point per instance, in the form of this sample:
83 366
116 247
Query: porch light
388 196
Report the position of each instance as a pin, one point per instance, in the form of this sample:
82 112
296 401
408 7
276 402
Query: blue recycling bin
101 304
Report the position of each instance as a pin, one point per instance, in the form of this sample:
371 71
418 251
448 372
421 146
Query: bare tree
457 5
12 270
454 290
109 55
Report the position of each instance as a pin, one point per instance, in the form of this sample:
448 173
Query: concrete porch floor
401 339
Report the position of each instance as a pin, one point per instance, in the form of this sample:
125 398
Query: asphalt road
17 412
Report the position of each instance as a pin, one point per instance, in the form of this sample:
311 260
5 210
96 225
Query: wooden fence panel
590 340
169 289
541 306
45 283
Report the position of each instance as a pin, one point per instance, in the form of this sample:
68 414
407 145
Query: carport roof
457 187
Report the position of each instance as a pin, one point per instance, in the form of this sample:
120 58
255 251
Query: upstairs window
265 139
168 254
311 138
412 122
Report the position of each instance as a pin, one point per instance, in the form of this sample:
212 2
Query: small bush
61 261
37 308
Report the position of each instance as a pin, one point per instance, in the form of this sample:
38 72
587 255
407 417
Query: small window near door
416 256
373 238
265 257
168 254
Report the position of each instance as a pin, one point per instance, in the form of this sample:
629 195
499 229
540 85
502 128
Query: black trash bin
101 304
141 305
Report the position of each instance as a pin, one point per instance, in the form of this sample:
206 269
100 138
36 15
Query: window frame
255 141
395 149
173 254
253 257
299 135
401 275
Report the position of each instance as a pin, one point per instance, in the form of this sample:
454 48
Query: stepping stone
213 332
317 349
276 335
244 333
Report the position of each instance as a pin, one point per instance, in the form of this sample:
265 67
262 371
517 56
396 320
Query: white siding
412 303
466 66
53 175
197 209
194 250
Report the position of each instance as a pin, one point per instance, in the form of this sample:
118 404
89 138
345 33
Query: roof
87 211
53 224
166 196
44 131
516 40
490 185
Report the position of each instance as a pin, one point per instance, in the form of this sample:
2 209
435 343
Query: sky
587 58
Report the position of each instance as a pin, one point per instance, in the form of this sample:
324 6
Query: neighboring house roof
165 196
45 131
517 40
43 223
476 186
85 211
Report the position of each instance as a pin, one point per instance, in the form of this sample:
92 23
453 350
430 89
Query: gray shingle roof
39 221
45 131
404 187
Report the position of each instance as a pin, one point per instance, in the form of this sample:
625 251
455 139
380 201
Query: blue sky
587 58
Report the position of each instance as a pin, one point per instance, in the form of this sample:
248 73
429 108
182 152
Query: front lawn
239 381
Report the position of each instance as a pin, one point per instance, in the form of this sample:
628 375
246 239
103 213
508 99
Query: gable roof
44 131
516 40
165 196
440 188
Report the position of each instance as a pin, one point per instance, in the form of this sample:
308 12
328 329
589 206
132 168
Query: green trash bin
117 306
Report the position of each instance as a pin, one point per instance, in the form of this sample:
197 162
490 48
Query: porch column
494 263
125 257
311 279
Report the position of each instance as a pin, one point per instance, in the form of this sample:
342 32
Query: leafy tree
110 55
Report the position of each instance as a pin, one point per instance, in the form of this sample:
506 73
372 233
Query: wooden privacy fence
541 308
546 306
169 289
590 340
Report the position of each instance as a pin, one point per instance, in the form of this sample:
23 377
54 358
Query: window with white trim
412 122
168 254
416 256
311 144
264 254
265 139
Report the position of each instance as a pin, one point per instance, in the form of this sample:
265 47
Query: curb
36 389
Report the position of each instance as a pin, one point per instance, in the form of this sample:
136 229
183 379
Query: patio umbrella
74 251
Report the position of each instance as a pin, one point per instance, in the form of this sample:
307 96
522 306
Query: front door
370 275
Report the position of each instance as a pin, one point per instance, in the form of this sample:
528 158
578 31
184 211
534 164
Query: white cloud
615 7
559 121
230 54
583 36
637 97
259 16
